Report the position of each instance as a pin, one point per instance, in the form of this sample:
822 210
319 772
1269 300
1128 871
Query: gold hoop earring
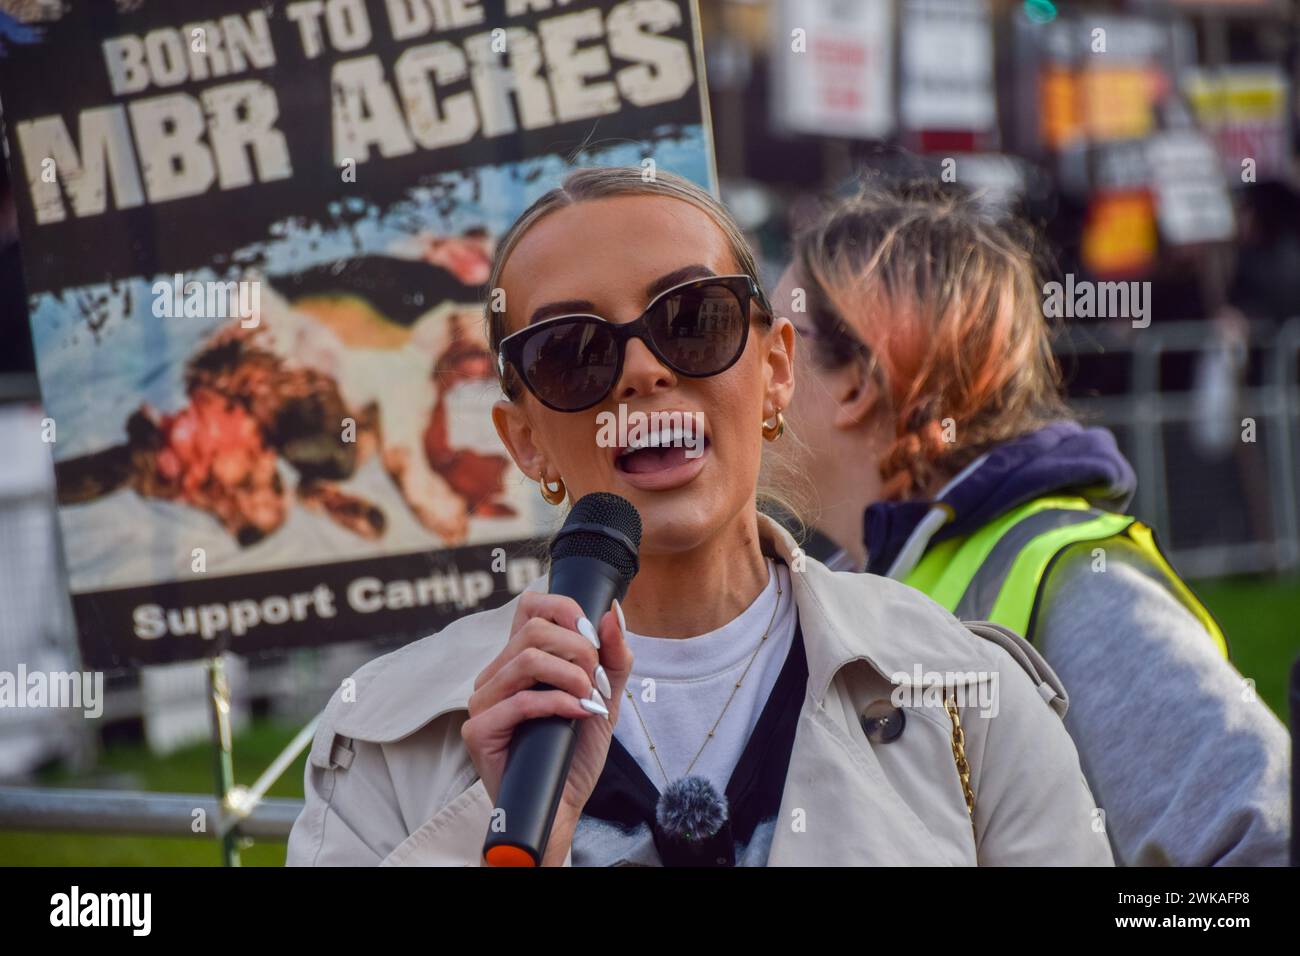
773 432
552 496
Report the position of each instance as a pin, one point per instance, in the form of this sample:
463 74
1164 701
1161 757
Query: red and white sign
833 67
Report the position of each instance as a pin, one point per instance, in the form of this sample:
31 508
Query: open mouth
647 460
660 456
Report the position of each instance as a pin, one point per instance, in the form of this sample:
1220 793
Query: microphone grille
586 532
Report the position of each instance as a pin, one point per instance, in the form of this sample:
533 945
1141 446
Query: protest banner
256 238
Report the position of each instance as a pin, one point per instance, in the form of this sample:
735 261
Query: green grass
186 771
1261 617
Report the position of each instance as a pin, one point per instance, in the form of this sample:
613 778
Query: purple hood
1060 457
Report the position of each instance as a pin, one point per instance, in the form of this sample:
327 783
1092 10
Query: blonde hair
946 306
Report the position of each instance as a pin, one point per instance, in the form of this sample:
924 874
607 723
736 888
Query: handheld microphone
593 560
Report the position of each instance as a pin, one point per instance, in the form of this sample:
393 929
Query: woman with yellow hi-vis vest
929 419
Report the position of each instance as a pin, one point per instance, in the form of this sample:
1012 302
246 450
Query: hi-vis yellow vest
998 573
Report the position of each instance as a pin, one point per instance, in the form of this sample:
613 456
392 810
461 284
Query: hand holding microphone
536 733
545 647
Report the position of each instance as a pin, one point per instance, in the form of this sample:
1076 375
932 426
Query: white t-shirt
692 678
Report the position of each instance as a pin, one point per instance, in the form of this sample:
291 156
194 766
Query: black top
625 799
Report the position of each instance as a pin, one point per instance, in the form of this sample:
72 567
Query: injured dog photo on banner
257 256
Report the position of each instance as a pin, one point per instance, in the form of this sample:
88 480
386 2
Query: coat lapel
830 772
452 837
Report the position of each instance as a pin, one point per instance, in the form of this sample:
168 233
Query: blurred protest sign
1101 78
1192 200
946 94
1244 108
833 66
255 238
1119 234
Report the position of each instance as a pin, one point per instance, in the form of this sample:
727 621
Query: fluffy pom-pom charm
693 826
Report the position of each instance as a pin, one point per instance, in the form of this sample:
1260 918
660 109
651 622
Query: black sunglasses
571 362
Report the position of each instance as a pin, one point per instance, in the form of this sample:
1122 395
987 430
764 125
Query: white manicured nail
594 706
618 610
602 682
589 632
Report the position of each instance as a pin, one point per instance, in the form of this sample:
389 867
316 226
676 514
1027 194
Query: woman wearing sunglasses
745 706
945 458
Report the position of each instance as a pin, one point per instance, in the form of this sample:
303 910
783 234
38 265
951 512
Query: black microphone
593 560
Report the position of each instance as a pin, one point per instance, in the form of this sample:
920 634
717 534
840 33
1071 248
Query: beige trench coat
389 780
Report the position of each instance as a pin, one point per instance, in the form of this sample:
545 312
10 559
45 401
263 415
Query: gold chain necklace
753 657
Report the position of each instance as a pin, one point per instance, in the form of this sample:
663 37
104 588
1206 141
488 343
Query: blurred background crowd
1149 142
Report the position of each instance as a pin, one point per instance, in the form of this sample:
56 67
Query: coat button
882 722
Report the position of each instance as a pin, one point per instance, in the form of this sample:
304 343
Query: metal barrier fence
137 814
1221 510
